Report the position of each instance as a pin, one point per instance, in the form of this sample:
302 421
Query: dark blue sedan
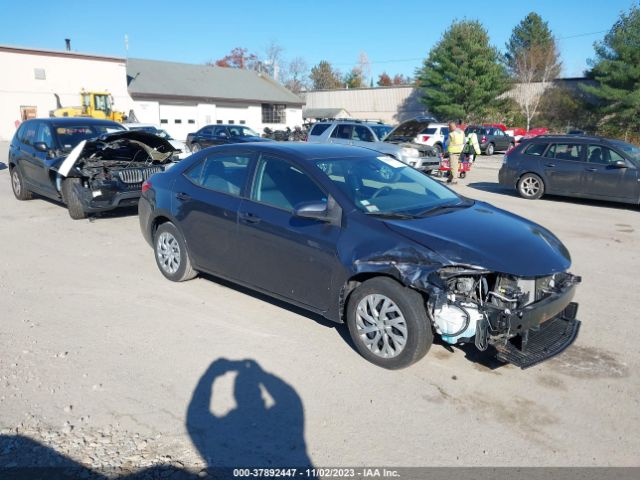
364 239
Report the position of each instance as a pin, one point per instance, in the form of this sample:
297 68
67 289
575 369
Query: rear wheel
195 148
388 323
171 254
17 185
490 149
530 186
71 195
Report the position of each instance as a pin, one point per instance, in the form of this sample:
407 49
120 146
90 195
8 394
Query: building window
231 122
273 113
177 120
191 121
219 122
242 122
164 120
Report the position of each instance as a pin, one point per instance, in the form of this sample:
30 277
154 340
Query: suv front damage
108 172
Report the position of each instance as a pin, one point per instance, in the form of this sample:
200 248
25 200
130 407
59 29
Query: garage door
178 120
232 114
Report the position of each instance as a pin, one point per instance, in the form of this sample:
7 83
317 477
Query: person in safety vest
456 144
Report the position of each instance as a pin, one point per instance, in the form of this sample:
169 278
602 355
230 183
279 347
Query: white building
30 78
182 97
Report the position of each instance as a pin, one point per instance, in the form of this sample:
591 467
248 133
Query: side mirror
314 210
619 164
41 146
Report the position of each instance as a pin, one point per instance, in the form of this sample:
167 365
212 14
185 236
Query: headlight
410 152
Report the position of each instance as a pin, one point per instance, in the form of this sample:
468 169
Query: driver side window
282 185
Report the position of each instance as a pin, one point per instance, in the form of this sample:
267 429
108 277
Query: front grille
137 175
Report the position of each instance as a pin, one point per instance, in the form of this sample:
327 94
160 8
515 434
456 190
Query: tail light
483 139
425 138
146 186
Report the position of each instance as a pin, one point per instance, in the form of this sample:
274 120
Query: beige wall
65 76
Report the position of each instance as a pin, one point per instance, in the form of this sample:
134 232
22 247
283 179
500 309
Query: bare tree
297 74
274 59
534 70
364 66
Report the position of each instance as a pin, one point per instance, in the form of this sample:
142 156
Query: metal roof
153 78
323 112
59 53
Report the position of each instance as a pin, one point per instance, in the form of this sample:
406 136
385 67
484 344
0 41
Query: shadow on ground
265 429
3 166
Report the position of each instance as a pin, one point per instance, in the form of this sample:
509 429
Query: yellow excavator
94 104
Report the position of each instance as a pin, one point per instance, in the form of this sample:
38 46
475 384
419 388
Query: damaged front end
110 170
526 320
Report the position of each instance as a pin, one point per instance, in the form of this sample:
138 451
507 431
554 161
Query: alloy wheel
381 326
168 252
530 186
15 182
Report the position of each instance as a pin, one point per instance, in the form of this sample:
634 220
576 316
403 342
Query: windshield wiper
392 215
445 206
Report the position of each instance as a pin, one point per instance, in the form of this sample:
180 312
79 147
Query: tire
428 172
381 347
18 186
490 149
195 148
438 147
511 146
530 186
170 251
463 174
71 196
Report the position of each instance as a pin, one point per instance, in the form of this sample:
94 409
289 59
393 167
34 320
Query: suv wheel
388 323
490 149
171 254
438 147
195 148
17 185
530 186
71 195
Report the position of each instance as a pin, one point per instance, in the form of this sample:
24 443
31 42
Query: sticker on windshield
372 208
364 202
392 162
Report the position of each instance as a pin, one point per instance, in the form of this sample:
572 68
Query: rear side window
536 149
342 131
319 128
222 173
565 151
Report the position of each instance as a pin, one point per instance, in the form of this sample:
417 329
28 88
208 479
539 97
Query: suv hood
157 148
407 131
485 236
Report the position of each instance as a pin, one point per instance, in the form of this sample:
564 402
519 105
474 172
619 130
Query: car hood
154 145
490 238
408 130
251 139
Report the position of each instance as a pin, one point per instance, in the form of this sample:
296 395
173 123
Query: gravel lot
102 360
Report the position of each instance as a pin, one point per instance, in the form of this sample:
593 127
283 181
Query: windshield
384 186
242 132
69 136
380 130
631 150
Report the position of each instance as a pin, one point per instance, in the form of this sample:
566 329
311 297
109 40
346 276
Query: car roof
353 121
303 150
571 138
74 121
226 125
134 124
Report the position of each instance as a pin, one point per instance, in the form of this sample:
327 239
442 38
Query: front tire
531 186
171 254
18 186
490 149
438 147
71 195
388 323
195 148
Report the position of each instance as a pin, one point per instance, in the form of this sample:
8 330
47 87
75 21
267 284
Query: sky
396 35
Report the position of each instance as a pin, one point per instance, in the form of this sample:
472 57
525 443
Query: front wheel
490 149
17 185
388 323
438 148
195 148
171 254
71 195
530 186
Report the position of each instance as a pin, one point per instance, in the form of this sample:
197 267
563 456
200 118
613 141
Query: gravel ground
106 365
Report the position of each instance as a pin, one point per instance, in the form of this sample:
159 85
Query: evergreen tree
532 33
462 76
323 76
616 70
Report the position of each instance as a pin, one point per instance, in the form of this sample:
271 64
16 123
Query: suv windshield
71 135
380 130
242 132
387 187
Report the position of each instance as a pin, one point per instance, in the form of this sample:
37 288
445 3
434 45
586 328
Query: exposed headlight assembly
410 152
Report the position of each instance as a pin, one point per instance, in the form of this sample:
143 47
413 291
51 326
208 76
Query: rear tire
71 195
195 148
490 149
18 186
388 323
171 254
530 186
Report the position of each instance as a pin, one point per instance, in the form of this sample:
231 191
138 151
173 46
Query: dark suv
575 166
491 139
222 135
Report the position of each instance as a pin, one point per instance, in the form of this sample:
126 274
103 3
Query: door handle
246 217
550 165
591 169
183 196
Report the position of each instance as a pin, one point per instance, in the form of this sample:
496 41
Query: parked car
362 238
575 166
399 142
222 135
491 139
435 135
535 132
154 129
90 165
